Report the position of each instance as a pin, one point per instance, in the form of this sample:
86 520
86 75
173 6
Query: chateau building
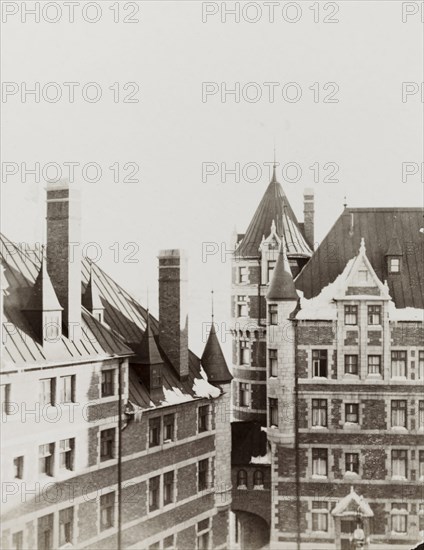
114 434
342 381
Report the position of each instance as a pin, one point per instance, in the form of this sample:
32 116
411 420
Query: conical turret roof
282 284
213 360
43 297
147 351
274 206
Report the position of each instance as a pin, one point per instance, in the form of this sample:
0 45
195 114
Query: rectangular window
374 364
351 315
273 314
421 464
273 411
399 463
66 526
154 485
203 541
244 392
273 362
67 389
421 414
107 444
244 352
270 269
66 454
45 460
319 412
169 542
241 306
203 418
169 427
18 540
154 431
394 265
319 363
319 462
203 466
399 518
351 364
398 413
319 516
352 462
45 532
108 382
18 467
168 487
352 413
5 398
374 315
398 364
107 511
421 364
47 391
243 274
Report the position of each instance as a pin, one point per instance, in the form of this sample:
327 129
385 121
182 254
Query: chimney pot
309 213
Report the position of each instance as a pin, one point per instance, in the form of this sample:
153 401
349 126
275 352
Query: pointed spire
282 284
274 168
212 313
91 298
362 249
213 360
43 296
148 352
395 248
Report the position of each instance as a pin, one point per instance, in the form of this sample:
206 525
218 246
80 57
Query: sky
337 107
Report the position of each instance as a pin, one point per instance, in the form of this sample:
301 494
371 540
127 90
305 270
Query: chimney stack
64 251
308 216
173 314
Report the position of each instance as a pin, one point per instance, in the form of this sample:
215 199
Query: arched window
242 478
258 478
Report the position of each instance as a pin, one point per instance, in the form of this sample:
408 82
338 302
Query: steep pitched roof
375 225
43 296
274 206
282 284
147 352
91 297
352 503
213 360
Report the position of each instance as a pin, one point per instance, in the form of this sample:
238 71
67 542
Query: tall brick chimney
173 314
64 251
308 215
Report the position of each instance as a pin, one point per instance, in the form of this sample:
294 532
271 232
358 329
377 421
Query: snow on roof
202 388
266 459
405 314
342 506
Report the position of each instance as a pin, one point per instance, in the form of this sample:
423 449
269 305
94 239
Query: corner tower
253 262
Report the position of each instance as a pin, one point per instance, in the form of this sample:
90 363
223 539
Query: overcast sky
170 132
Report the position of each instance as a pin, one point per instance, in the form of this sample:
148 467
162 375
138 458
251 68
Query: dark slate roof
375 225
91 298
43 296
282 285
213 360
274 206
248 440
148 352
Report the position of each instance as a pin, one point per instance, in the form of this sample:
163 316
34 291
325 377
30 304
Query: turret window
241 306
394 265
351 315
273 314
273 412
244 352
273 362
243 273
244 392
270 269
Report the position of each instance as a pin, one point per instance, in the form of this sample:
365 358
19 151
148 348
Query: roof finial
147 300
274 167
345 202
362 246
212 305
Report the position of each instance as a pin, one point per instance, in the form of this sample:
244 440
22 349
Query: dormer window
394 265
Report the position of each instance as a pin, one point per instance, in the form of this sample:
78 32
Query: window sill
242 487
374 376
320 378
320 428
399 429
258 487
351 475
351 426
351 376
399 378
399 478
318 476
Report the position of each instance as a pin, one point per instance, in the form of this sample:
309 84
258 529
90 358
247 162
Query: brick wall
374 463
374 414
407 334
316 333
87 520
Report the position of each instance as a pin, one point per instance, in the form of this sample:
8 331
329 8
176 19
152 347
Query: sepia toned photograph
212 275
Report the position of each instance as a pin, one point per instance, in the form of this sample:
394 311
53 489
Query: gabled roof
274 206
213 360
282 284
352 503
91 297
43 297
375 225
147 352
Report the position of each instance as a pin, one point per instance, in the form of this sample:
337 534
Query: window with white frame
5 398
154 431
399 518
168 487
399 413
108 382
273 411
319 412
107 444
421 364
352 413
66 526
273 314
67 389
203 418
243 273
320 462
203 534
66 454
169 427
107 511
374 364
169 542
270 269
352 462
45 532
154 492
394 265
320 363
351 364
319 516
398 364
374 315
241 306
399 463
421 414
47 391
273 362
46 459
244 394
351 315
244 352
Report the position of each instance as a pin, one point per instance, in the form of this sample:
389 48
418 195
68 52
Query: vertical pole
119 545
